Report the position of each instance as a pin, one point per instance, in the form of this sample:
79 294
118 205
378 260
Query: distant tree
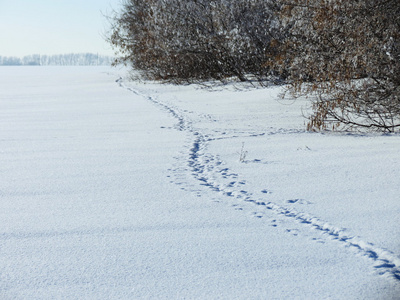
346 55
10 61
31 60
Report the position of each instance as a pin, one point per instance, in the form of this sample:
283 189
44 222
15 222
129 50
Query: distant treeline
72 59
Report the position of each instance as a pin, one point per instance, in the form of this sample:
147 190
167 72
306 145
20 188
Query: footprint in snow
298 201
294 232
318 240
274 223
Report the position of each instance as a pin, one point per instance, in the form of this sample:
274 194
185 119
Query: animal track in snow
298 201
210 172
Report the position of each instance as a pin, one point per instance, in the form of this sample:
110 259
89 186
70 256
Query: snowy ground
111 189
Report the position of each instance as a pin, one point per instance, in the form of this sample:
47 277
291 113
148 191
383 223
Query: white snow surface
112 189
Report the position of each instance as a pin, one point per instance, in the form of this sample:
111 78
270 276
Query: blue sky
54 26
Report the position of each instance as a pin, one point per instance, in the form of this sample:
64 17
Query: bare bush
346 54
187 41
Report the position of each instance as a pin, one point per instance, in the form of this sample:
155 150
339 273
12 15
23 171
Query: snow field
119 190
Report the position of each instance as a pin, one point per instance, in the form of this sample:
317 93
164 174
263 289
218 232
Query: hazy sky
54 26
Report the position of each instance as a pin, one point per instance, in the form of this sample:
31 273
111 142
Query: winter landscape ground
113 189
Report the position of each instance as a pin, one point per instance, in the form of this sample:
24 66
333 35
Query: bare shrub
188 41
346 54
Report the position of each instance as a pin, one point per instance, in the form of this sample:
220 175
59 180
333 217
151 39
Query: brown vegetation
344 54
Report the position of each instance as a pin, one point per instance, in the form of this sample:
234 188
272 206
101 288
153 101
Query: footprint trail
210 172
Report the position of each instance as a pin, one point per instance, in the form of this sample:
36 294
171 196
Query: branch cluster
187 41
347 55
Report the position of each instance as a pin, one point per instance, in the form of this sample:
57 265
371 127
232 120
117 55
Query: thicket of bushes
187 41
345 54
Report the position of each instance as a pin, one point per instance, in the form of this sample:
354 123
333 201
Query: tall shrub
192 40
346 55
